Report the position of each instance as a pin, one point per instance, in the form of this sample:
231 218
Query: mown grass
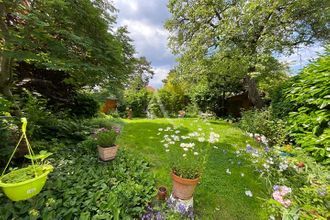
219 195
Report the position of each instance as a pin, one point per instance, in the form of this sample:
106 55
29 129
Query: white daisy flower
248 193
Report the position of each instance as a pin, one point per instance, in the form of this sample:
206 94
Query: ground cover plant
82 187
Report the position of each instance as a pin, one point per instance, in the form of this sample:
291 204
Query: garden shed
110 105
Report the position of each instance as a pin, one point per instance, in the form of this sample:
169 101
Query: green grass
219 195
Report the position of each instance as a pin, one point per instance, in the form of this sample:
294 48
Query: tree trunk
223 103
5 62
5 76
253 93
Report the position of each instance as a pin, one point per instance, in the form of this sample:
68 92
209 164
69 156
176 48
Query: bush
192 110
261 122
173 101
138 101
307 99
154 108
83 106
81 187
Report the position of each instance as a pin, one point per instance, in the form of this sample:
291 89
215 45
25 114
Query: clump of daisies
187 152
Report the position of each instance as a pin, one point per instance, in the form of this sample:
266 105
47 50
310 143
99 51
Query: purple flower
322 192
182 208
267 149
276 187
159 216
147 216
249 149
116 129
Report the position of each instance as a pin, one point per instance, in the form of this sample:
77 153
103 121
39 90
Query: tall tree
254 29
141 74
76 37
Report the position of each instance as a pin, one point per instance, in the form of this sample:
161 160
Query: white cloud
160 74
150 40
302 57
129 5
144 20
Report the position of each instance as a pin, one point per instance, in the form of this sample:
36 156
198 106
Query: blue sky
145 20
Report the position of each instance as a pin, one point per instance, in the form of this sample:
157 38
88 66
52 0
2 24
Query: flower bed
298 185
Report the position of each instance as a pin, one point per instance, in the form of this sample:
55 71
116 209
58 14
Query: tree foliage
75 37
245 33
305 101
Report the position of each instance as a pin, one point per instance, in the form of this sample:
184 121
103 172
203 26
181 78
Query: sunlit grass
219 195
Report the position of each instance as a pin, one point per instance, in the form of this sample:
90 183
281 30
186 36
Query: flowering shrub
298 186
261 123
187 152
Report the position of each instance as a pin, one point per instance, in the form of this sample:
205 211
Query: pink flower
279 193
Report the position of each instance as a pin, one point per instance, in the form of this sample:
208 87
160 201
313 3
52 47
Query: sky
145 22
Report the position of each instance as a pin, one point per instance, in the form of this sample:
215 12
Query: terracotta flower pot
162 193
107 153
183 188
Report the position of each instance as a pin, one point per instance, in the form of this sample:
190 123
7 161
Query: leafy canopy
76 37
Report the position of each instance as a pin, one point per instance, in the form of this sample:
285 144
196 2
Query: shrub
261 122
173 100
106 139
138 101
83 188
83 106
154 108
192 110
307 97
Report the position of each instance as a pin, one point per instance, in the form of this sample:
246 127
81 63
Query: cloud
160 74
301 57
144 20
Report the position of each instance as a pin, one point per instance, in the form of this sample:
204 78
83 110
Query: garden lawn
219 195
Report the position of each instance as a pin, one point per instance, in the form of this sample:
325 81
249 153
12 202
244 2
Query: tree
174 95
254 29
141 74
75 37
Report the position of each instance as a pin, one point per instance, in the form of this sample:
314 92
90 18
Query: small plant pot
162 193
107 153
26 189
183 188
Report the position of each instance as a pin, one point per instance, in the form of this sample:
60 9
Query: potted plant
24 183
106 145
187 156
